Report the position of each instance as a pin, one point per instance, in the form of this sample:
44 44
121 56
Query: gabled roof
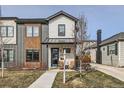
31 20
39 20
62 13
117 37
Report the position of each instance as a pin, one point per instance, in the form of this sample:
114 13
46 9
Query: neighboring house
113 50
8 28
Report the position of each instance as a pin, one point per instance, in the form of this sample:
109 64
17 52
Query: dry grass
19 79
94 79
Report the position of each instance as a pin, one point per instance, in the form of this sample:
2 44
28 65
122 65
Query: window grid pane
32 56
61 30
35 55
29 31
29 55
11 55
35 31
4 31
10 31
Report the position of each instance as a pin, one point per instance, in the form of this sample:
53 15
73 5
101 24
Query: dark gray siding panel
44 56
44 32
44 47
21 29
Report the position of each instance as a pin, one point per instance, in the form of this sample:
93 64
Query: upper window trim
7 31
59 29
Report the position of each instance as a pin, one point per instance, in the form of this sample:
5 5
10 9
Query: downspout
47 57
75 36
98 52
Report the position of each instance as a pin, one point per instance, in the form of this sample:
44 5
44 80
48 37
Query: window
68 50
61 30
10 31
116 49
29 31
103 49
32 31
3 31
8 55
112 49
108 50
7 31
35 31
29 55
11 55
32 55
36 55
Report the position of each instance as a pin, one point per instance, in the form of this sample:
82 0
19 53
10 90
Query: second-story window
29 31
3 31
32 31
61 30
10 31
7 31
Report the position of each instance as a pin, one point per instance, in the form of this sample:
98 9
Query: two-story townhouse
30 39
8 30
60 36
39 43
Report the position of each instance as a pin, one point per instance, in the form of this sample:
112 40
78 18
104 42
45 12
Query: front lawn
93 79
19 79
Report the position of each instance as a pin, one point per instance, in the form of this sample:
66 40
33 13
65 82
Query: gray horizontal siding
121 53
110 59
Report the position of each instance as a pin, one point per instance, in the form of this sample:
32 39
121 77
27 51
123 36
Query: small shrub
86 58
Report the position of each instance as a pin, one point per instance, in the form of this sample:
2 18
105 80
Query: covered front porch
55 51
56 57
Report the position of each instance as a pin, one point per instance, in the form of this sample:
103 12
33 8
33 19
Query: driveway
113 71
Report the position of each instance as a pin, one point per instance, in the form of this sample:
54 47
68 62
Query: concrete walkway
113 71
45 80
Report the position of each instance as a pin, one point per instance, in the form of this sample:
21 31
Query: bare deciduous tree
81 37
2 50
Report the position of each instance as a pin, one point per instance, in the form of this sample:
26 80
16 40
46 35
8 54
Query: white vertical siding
121 53
69 27
9 40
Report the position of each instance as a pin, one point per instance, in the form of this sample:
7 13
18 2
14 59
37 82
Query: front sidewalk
113 71
46 80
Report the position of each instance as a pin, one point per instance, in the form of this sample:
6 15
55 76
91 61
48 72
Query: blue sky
108 18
